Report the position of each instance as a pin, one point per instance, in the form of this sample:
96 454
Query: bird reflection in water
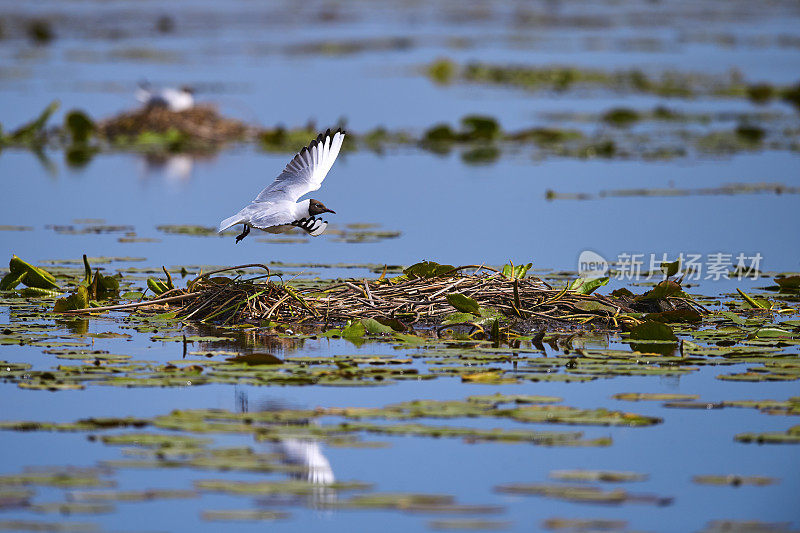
175 168
302 452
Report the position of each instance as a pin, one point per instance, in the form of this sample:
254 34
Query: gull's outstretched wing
306 170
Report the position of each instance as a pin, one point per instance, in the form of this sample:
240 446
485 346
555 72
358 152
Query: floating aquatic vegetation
187 229
37 525
16 228
32 134
724 190
621 117
351 46
746 526
734 480
15 498
453 508
655 396
129 495
91 289
239 515
582 493
597 475
671 84
73 508
469 525
64 478
584 524
790 436
395 500
260 488
27 274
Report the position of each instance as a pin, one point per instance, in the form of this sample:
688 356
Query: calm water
263 64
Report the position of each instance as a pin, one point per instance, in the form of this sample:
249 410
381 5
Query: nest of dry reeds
418 301
201 123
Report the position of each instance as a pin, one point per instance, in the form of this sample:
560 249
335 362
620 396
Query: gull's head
185 89
315 207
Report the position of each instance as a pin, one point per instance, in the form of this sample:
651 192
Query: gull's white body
276 207
173 99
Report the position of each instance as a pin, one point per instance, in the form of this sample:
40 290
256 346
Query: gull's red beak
329 211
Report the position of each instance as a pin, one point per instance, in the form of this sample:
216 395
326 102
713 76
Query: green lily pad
373 327
31 276
652 331
588 285
77 300
788 282
458 318
678 315
462 303
427 269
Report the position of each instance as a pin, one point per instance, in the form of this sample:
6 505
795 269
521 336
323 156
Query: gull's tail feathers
230 221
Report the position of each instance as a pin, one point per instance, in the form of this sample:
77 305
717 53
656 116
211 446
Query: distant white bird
276 209
176 100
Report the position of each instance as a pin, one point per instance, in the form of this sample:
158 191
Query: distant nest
202 123
421 302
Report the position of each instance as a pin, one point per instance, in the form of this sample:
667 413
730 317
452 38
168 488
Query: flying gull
276 209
